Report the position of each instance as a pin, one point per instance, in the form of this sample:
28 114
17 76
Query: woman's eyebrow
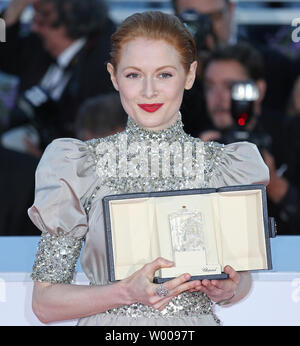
158 69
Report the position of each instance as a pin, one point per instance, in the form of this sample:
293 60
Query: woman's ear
190 78
111 71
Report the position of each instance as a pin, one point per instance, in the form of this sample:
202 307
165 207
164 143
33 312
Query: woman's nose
149 88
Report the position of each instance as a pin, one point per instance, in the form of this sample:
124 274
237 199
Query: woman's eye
132 75
165 75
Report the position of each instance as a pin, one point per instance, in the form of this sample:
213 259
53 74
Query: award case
201 230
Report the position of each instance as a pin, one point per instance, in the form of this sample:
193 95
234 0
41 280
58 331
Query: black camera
243 96
200 26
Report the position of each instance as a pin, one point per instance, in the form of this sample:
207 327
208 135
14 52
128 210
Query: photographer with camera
212 25
234 90
218 13
60 63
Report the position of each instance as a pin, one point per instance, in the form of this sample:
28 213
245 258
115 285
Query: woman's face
151 80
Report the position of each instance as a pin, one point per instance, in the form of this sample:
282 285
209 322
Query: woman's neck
172 133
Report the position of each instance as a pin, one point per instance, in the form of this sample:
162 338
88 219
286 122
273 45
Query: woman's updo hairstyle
154 25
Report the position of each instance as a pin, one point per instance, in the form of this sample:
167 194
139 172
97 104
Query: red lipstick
150 107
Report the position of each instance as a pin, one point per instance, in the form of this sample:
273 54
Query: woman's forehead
148 52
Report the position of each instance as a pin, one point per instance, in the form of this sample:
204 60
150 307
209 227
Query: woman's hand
218 290
141 289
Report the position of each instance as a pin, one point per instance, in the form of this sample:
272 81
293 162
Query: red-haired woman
153 60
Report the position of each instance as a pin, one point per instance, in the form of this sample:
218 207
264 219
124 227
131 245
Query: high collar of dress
173 133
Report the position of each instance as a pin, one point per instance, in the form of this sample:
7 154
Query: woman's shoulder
64 145
63 151
97 143
71 150
77 155
67 160
234 164
214 149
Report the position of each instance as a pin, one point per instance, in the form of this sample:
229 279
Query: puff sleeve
63 177
239 164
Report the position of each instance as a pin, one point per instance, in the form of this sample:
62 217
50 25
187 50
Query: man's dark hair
175 5
80 17
101 115
243 53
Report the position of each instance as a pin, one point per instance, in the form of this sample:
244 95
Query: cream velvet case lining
201 230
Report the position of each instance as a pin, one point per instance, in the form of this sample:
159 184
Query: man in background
242 63
217 20
60 62
17 193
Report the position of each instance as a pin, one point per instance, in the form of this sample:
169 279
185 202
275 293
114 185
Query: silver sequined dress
73 177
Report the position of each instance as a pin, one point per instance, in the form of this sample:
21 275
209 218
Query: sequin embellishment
56 258
184 305
57 254
168 159
205 157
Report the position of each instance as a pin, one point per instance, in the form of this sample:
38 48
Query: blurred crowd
244 90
